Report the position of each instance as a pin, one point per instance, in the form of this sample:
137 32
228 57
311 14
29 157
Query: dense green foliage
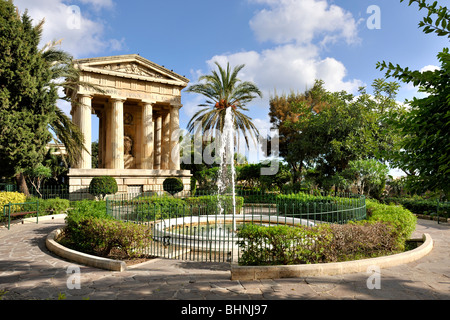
425 149
402 220
173 185
27 95
52 206
102 186
13 197
210 204
322 132
384 232
222 90
89 229
422 206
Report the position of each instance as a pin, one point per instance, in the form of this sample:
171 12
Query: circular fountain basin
217 231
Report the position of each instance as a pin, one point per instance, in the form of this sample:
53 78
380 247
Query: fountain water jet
227 176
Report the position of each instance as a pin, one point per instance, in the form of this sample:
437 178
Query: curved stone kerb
82 258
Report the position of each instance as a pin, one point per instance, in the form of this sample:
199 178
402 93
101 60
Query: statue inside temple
128 155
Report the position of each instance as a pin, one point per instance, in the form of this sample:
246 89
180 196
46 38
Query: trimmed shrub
102 186
210 204
52 206
126 239
91 230
421 206
401 219
158 207
76 219
173 185
384 232
282 245
360 241
11 197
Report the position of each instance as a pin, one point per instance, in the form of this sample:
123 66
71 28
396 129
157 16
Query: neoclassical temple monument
138 110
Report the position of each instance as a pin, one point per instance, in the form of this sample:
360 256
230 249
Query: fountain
217 232
227 176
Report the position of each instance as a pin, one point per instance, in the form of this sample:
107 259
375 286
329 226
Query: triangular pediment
131 66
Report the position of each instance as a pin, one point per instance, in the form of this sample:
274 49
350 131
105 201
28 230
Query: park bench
12 210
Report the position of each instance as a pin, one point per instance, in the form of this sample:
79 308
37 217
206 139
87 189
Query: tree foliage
27 96
324 131
223 89
425 150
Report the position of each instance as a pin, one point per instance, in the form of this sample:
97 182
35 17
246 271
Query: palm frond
223 89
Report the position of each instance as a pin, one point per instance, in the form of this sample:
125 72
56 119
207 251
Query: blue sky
285 44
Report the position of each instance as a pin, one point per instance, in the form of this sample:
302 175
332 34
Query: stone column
117 133
175 137
158 141
84 122
165 146
148 136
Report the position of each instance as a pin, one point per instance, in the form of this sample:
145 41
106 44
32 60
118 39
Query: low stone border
82 258
330 269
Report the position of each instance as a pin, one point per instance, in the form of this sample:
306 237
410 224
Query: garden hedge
384 232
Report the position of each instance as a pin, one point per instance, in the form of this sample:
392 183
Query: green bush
91 230
384 232
127 239
173 185
158 207
52 206
11 197
102 186
401 219
210 204
77 218
282 245
421 206
317 207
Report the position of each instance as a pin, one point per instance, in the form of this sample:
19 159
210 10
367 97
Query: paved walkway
29 271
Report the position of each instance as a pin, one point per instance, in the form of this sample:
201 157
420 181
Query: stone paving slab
28 271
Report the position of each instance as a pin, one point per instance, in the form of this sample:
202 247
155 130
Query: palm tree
66 76
224 90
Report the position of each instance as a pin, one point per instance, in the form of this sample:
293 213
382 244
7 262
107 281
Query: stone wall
128 181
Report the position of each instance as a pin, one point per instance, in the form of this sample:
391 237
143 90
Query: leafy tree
102 186
27 96
425 153
66 77
291 115
325 131
369 176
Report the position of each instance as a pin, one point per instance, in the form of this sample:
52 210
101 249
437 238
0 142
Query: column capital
118 99
176 106
85 95
146 102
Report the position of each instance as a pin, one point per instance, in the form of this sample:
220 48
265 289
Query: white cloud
430 68
80 35
303 21
300 29
99 4
289 68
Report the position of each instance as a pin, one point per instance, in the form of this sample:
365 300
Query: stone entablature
138 109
